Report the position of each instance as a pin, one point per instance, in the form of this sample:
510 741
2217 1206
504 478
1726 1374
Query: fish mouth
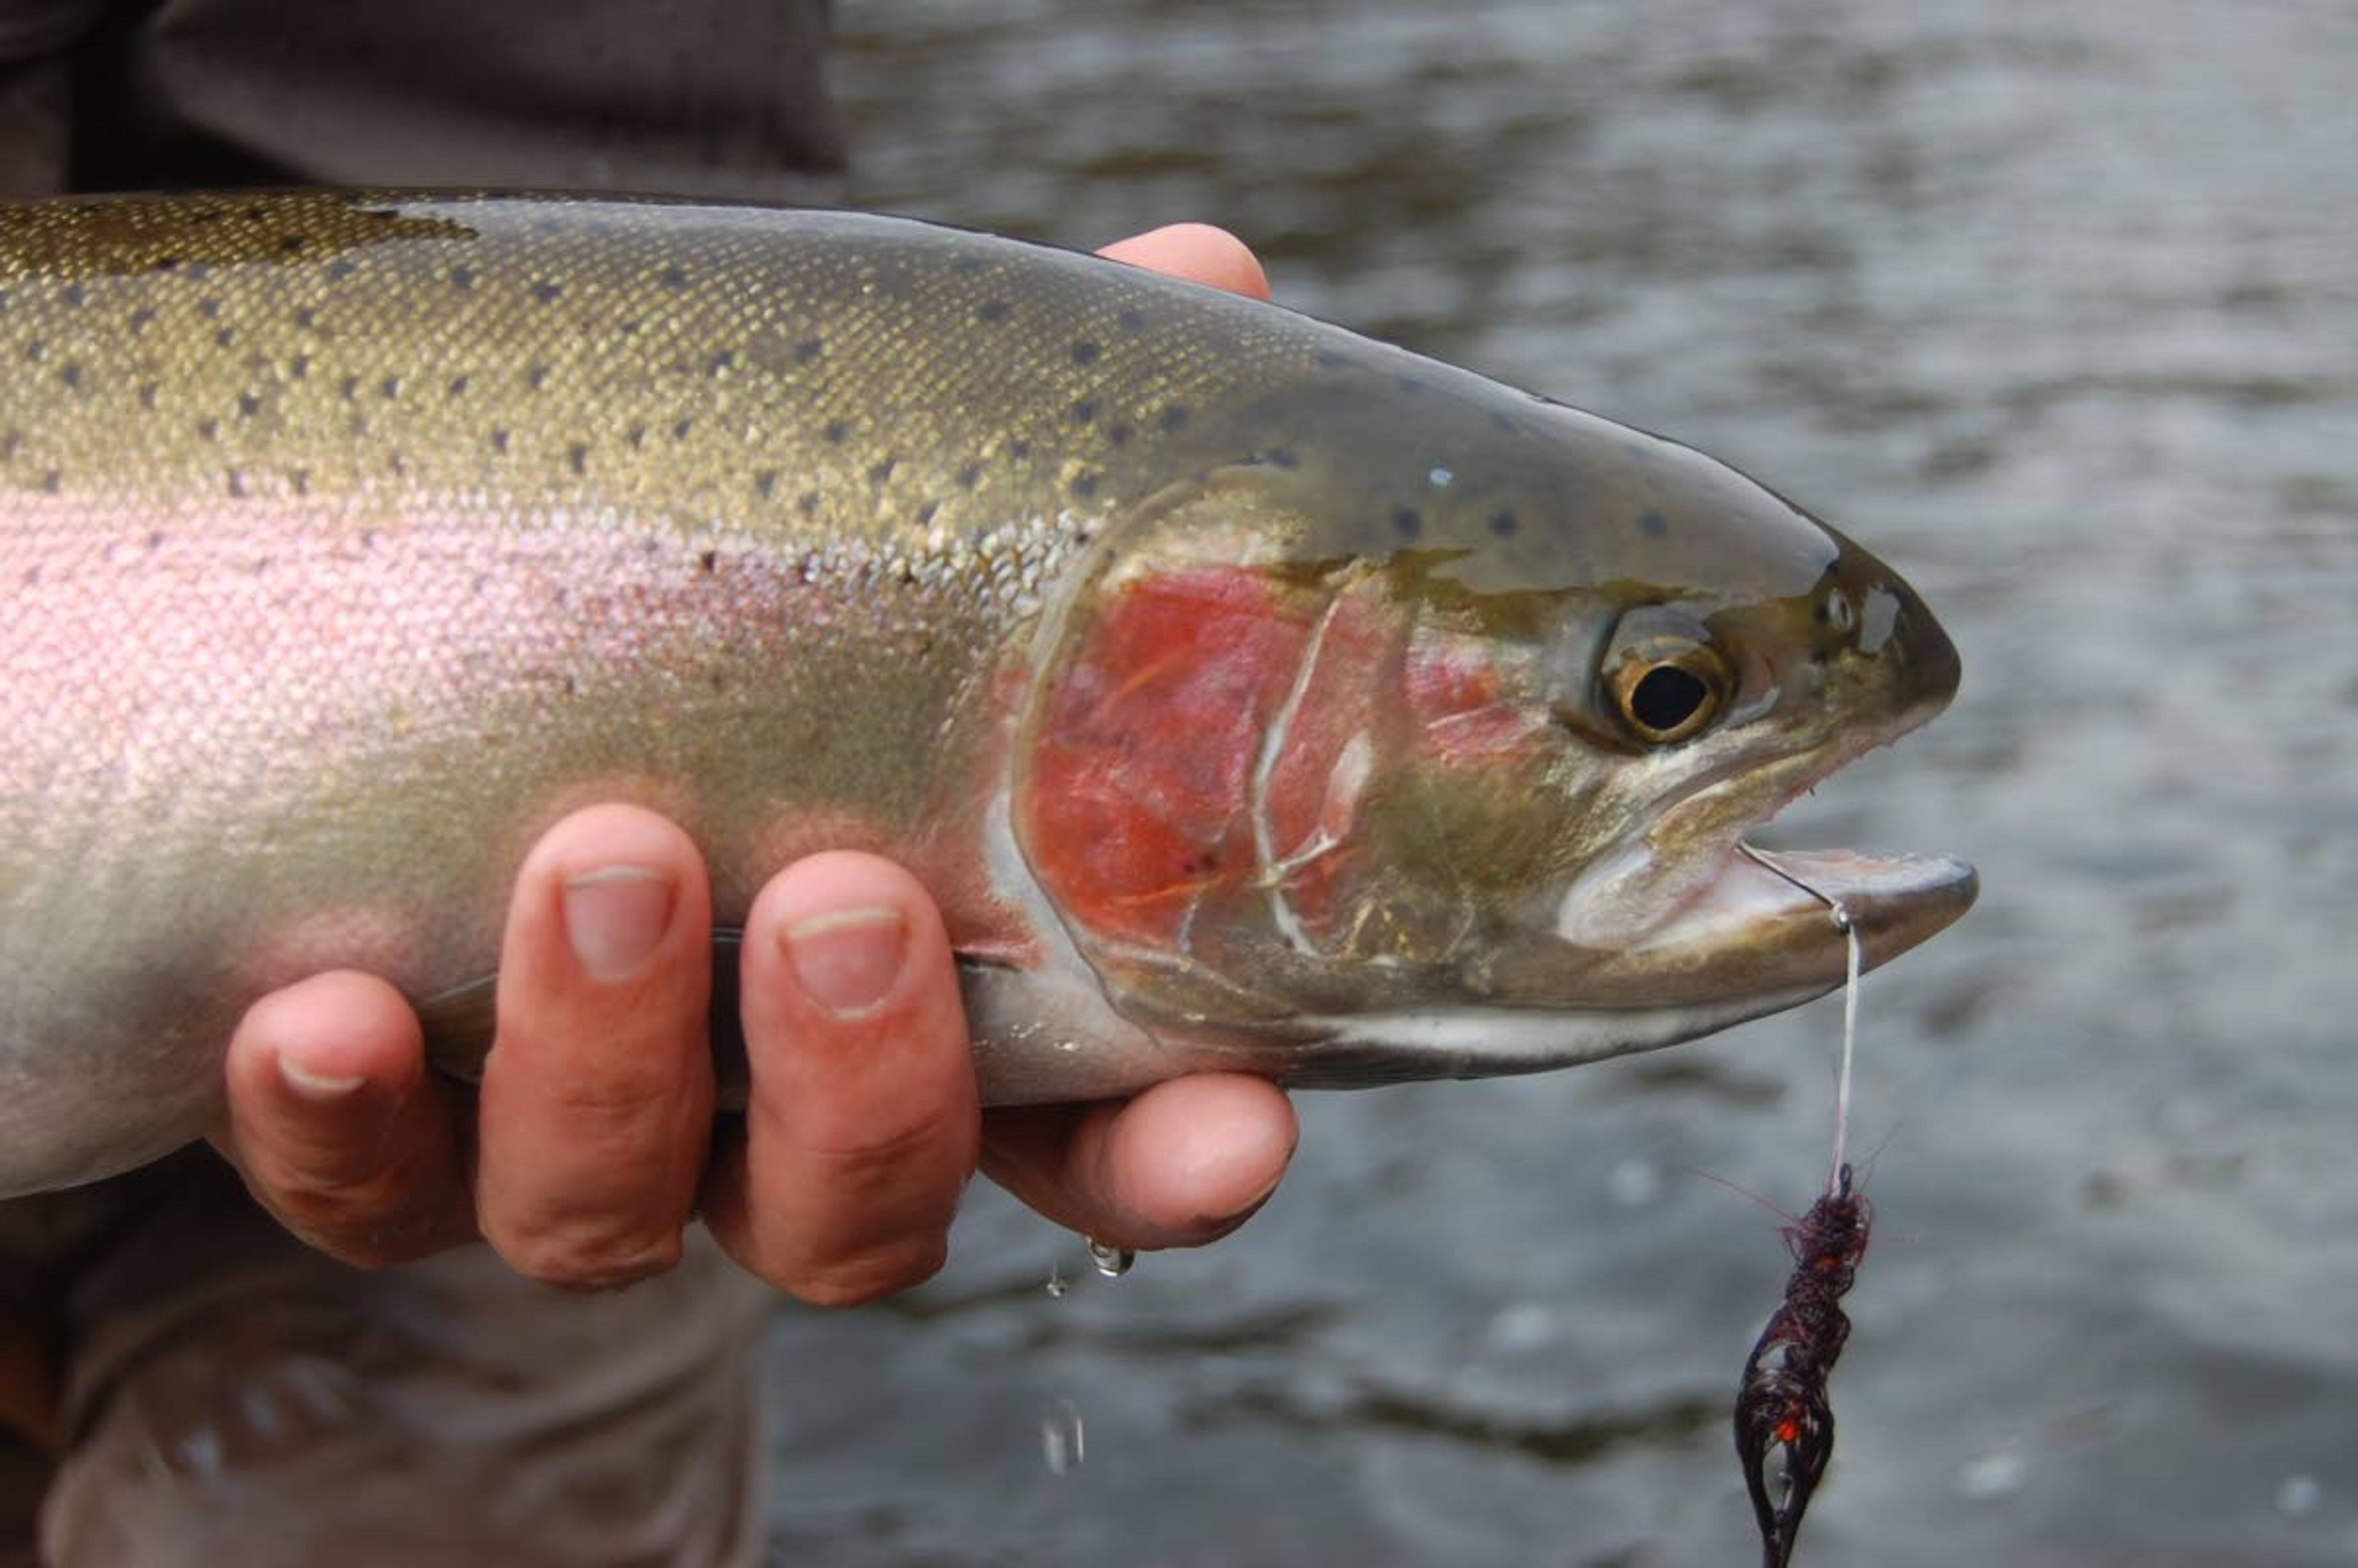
1783 916
1762 937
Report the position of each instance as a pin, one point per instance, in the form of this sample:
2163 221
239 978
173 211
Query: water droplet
1057 1285
2299 1495
1442 478
1063 1443
1113 1262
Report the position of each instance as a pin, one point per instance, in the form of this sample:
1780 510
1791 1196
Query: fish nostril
1837 612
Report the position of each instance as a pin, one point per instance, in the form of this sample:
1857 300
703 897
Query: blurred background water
2056 306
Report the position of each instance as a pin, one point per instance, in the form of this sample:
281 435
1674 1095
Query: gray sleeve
719 98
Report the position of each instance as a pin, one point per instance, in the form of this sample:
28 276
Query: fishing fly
1784 1420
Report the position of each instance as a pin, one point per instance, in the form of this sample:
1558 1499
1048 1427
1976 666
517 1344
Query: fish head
1436 757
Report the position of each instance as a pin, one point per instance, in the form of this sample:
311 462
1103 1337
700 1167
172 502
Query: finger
1199 252
339 1129
1183 1164
861 1129
597 1099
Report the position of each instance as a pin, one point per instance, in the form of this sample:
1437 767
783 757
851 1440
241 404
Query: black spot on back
1504 524
1086 352
1652 523
991 310
1407 522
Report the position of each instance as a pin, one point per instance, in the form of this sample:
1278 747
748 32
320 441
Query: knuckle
591 1255
368 1227
870 1275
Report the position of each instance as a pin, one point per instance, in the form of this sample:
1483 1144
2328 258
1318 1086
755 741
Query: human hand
591 1142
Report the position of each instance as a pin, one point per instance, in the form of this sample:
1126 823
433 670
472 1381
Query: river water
2056 308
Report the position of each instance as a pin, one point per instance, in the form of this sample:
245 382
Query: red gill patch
1138 805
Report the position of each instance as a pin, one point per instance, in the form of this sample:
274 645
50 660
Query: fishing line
1849 928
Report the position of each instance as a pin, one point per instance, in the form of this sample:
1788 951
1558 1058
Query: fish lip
1793 906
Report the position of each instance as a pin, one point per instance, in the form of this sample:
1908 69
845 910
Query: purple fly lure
1784 1420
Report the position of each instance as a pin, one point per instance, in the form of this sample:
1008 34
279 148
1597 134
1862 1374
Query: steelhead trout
1251 695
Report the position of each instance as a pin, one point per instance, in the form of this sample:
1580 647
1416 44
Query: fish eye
1666 690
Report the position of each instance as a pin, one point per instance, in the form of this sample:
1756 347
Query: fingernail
848 961
319 1088
614 918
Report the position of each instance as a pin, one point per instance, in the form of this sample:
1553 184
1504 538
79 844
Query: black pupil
1667 697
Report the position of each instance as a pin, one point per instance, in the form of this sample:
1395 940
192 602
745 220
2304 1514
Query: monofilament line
1849 928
